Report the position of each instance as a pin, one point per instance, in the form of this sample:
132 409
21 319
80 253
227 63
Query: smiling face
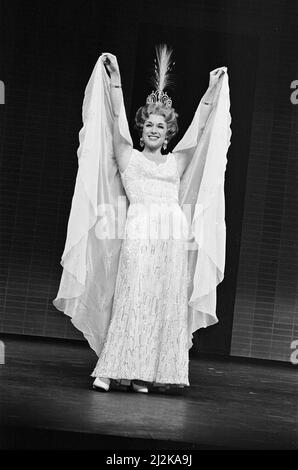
154 131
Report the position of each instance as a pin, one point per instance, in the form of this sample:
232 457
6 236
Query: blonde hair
169 115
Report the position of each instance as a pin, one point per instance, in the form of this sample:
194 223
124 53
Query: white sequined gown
147 337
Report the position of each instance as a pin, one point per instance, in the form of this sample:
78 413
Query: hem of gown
144 378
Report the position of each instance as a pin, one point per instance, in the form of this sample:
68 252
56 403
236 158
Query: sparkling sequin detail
148 335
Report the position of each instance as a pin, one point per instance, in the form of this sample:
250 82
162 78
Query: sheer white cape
90 262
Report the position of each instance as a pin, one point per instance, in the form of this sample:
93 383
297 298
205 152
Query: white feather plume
163 66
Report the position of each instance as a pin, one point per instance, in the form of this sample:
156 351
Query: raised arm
183 158
122 148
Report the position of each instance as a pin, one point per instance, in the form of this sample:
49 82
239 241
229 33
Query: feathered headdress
162 78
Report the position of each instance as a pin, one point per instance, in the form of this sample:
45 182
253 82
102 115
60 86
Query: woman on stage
142 330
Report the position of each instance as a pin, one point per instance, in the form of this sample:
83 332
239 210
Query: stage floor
47 401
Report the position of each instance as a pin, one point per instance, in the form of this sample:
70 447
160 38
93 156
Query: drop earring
165 144
142 142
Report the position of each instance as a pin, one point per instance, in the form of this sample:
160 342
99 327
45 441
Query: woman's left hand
214 77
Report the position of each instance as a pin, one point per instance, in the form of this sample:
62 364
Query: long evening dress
129 296
148 334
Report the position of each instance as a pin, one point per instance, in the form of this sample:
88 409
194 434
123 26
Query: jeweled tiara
161 79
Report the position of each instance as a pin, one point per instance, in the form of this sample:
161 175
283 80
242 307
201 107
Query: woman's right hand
110 61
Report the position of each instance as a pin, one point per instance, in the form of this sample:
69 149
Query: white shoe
139 388
101 384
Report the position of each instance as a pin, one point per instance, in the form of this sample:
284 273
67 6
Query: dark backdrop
48 50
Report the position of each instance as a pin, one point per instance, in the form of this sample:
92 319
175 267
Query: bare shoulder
181 161
123 156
